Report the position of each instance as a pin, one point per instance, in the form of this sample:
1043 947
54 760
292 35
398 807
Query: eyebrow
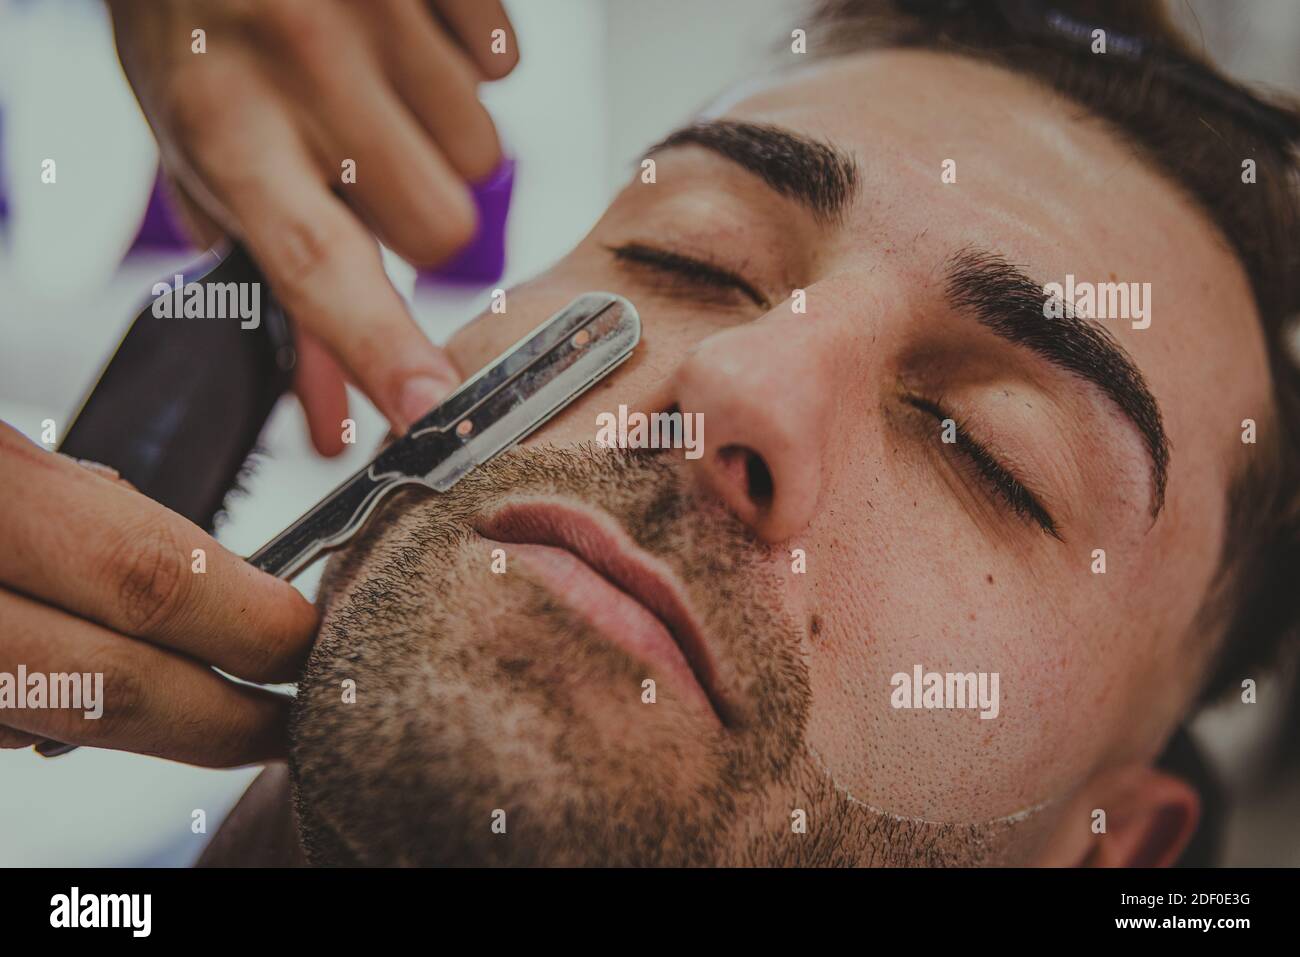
815 174
1010 304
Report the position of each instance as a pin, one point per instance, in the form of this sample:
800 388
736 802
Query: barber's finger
318 382
405 189
106 472
323 265
397 178
148 700
439 84
473 22
326 270
328 274
11 740
112 556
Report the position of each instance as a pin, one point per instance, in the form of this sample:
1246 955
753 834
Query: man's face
902 467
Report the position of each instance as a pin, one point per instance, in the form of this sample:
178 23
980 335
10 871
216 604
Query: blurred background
598 81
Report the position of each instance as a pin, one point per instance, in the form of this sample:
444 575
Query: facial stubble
453 715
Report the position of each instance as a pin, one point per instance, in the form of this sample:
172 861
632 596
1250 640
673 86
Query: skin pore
479 692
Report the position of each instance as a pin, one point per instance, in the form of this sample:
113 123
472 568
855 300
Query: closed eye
1011 492
688 270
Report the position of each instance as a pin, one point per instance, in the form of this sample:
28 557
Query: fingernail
420 394
99 468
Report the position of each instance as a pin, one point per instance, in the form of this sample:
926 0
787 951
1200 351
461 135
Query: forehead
1036 175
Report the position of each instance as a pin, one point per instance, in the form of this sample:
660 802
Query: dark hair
1195 126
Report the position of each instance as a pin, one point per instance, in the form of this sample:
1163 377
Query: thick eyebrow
815 174
1010 304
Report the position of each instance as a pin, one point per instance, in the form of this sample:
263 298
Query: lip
632 598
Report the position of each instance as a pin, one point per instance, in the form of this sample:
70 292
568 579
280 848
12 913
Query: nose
763 392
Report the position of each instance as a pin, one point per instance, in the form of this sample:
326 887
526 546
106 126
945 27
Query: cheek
911 589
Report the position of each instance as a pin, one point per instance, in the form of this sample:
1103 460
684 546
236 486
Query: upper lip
611 553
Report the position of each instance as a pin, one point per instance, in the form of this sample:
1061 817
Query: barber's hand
254 133
95 577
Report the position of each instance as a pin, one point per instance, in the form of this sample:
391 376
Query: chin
518 735
508 719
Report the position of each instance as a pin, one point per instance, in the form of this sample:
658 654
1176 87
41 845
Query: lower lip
614 613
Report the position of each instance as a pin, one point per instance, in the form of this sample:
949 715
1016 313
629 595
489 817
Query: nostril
759 486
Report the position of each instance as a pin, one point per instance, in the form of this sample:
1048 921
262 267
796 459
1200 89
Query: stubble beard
491 725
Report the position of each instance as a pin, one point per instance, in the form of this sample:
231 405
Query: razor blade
500 406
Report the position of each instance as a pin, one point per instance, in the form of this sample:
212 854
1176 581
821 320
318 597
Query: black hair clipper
179 407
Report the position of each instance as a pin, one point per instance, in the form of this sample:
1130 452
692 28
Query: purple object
482 261
4 199
161 228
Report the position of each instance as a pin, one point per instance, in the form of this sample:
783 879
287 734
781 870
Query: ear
1150 815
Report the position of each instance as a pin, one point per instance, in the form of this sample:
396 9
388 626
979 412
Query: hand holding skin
254 133
97 578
